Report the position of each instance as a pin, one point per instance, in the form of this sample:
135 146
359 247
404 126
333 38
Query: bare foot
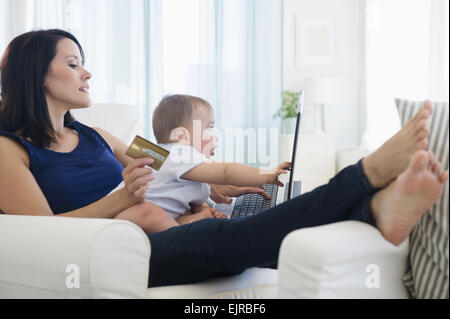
385 164
398 207
220 215
193 217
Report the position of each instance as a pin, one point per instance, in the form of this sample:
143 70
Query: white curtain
110 32
226 51
15 17
406 57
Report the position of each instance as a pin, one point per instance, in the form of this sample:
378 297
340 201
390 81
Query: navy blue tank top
73 180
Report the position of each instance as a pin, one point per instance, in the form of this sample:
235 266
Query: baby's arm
235 174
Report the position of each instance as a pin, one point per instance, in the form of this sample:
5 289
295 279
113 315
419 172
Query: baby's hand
283 168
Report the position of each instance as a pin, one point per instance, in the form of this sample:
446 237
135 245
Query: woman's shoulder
94 134
12 149
103 133
108 137
90 129
117 146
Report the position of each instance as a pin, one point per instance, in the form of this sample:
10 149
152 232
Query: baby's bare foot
398 207
194 217
386 163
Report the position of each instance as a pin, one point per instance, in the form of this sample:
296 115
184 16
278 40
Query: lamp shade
319 90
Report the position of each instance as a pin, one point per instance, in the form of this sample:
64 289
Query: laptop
251 204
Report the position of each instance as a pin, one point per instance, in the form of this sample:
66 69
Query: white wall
345 119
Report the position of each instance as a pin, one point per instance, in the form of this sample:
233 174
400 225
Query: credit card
140 147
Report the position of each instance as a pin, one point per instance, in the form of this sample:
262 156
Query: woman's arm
19 191
107 207
20 194
235 174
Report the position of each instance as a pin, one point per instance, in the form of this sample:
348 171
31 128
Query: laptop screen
296 138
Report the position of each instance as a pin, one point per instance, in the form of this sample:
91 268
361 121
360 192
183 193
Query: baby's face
203 121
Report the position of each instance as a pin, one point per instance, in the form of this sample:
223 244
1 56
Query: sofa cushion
254 283
427 274
122 120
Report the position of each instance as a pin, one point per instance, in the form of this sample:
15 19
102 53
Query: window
404 59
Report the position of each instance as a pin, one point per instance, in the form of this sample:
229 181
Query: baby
184 125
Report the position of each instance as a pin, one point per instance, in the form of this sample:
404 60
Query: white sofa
54 257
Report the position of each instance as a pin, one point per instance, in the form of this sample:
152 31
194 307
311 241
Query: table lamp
318 93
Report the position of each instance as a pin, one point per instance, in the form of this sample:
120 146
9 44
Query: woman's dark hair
23 105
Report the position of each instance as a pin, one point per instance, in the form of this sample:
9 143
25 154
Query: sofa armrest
60 257
341 260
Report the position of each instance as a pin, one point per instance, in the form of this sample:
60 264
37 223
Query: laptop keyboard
250 204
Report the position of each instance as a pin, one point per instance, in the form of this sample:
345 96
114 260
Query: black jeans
215 247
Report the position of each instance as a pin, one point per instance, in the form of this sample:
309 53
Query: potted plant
288 112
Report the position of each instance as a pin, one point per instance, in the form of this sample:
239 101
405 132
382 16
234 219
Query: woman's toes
427 106
433 164
422 115
423 130
422 144
425 111
419 162
431 160
443 177
422 133
421 125
436 168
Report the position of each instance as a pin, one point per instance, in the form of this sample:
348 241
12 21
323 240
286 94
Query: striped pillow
427 274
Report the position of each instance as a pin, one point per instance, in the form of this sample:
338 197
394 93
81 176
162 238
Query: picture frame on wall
315 40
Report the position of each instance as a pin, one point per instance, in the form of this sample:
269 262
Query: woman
53 165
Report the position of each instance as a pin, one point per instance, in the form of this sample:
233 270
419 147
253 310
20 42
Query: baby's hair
172 112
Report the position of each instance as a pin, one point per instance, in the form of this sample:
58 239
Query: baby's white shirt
171 192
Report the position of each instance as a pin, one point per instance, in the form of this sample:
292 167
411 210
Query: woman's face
66 82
